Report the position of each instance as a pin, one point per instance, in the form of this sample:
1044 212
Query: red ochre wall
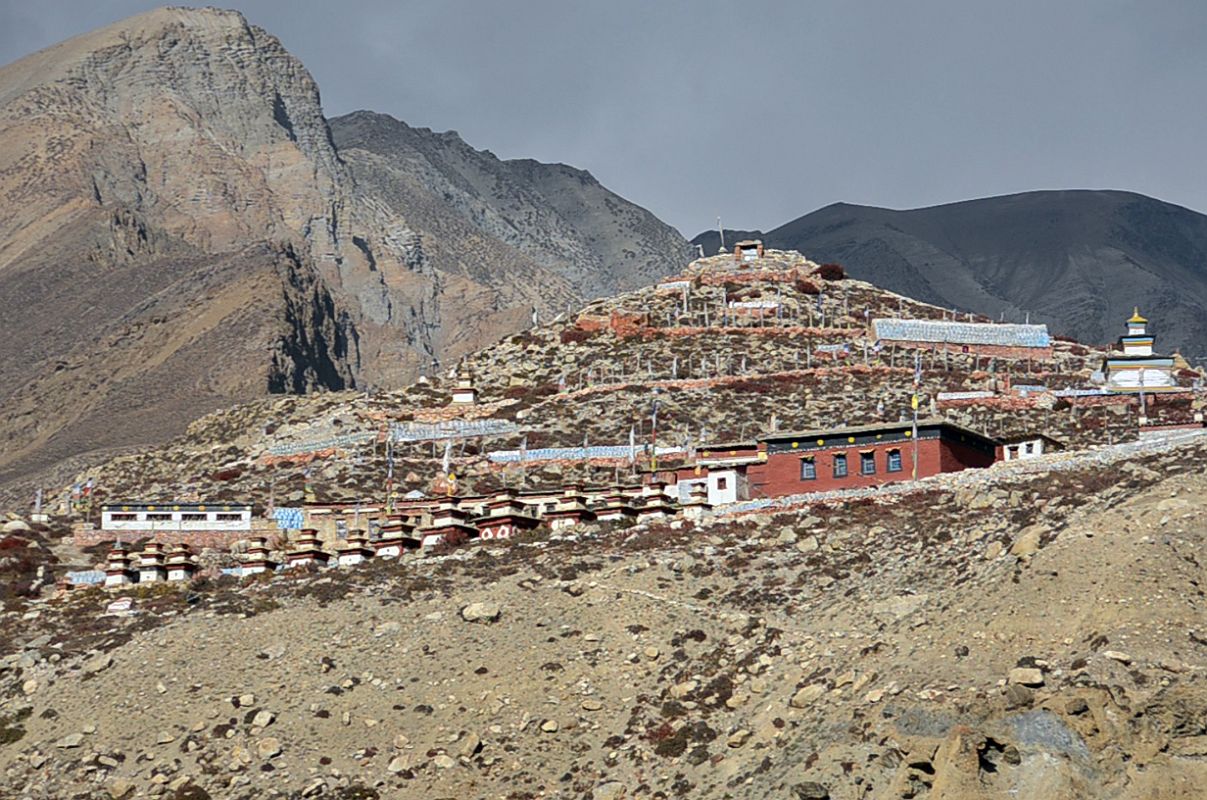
198 540
955 457
780 474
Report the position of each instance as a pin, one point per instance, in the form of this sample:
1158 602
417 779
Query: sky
759 112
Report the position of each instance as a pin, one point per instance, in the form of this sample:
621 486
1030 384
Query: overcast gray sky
763 111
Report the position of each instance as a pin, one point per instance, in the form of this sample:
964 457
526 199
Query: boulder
1027 544
481 612
805 696
1026 676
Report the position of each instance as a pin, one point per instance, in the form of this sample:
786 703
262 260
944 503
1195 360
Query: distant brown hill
1078 260
180 232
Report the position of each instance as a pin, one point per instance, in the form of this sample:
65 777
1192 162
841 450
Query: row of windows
157 517
867 464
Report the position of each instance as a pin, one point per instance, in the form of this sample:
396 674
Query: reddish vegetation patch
831 272
575 336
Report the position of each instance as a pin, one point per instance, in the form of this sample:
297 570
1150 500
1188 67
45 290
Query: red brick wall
990 350
780 474
198 540
954 457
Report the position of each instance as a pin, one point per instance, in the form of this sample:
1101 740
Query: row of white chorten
506 517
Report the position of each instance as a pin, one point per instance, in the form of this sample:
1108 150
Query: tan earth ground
1037 635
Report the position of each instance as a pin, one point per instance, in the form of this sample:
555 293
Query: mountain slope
489 215
179 232
1079 260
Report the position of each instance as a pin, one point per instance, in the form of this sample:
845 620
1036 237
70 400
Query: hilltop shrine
1137 368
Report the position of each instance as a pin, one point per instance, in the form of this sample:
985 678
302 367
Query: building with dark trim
862 456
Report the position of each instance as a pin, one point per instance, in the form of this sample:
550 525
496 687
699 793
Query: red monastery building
862 456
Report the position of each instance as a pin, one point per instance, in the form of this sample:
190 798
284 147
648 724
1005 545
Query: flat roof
728 445
173 506
935 331
852 430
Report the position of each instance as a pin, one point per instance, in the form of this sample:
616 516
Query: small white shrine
1138 368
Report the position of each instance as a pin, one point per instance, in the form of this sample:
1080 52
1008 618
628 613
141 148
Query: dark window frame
840 465
809 474
889 461
867 463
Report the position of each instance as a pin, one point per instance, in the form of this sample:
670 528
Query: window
192 517
159 517
722 484
123 517
235 518
1029 447
808 469
894 460
867 463
840 466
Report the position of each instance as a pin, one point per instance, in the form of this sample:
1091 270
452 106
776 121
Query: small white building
1027 445
355 551
175 517
181 564
256 557
1138 368
118 571
151 563
464 392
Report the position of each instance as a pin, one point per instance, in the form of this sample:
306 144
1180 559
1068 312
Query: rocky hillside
1079 260
1046 645
180 232
491 217
598 374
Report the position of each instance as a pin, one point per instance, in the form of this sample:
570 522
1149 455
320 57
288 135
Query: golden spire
1136 316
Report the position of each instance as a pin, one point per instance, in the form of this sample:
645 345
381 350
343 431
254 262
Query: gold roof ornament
1136 315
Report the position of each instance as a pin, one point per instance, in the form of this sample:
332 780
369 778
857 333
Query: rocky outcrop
179 232
532 215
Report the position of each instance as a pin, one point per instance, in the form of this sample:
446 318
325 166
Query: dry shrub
831 272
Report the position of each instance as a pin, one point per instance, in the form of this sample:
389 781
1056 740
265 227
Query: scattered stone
401 741
164 738
30 686
98 663
1026 676
1115 655
481 612
398 764
70 740
1027 543
1019 696
470 744
268 747
804 697
549 726
119 788
652 653
681 690
591 704
444 761
807 544
993 550
263 718
1076 707
811 791
738 738
612 790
